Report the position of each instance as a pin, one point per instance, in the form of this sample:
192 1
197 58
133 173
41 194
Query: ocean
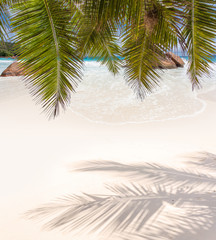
104 98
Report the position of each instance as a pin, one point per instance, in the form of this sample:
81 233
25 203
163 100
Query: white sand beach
39 157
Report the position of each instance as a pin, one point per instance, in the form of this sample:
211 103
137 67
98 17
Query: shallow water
4 63
102 97
10 87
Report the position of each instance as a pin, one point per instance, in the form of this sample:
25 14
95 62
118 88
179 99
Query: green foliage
55 35
4 23
5 53
100 41
7 49
199 31
53 64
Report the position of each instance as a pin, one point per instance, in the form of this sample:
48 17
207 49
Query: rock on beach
13 70
169 61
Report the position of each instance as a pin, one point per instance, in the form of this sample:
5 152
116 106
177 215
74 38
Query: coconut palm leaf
146 42
200 32
99 33
101 11
148 29
5 6
46 30
4 20
140 55
5 15
170 17
100 42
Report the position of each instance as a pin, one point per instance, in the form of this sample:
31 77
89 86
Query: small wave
104 98
2 60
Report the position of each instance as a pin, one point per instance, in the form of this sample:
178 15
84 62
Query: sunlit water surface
102 97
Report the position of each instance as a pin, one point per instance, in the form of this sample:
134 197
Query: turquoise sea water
4 63
105 98
212 58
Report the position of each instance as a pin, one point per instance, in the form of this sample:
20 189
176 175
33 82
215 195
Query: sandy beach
45 160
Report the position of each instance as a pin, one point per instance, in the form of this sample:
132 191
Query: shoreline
204 104
39 162
201 97
13 57
208 95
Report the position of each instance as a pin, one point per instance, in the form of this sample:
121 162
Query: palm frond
46 31
4 20
70 29
99 32
145 43
100 42
102 11
140 55
200 33
167 31
5 15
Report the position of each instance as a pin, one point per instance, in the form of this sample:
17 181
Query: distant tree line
7 49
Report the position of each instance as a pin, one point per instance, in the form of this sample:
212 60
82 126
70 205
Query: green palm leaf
54 36
46 32
100 42
200 33
4 20
99 32
101 11
140 56
145 44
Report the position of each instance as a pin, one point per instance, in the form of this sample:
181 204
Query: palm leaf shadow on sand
134 211
160 174
204 160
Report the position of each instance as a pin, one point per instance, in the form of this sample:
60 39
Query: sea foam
105 98
102 97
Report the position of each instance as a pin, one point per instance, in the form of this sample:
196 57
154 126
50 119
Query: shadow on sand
155 202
